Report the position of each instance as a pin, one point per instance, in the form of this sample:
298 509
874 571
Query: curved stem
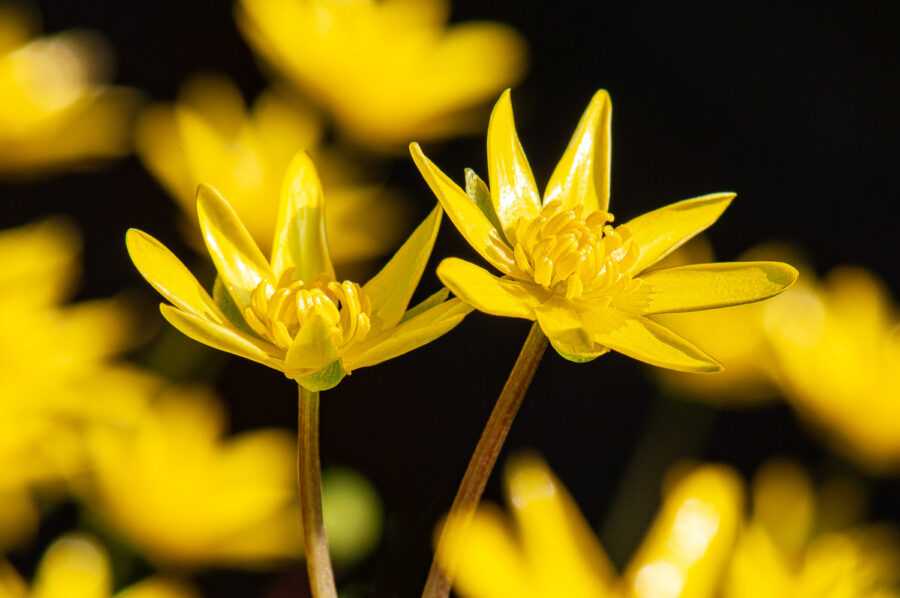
309 479
485 456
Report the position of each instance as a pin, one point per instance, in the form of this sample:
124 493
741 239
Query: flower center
278 314
576 256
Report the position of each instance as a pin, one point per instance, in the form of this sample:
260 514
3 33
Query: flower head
587 282
210 136
54 109
291 313
549 550
387 71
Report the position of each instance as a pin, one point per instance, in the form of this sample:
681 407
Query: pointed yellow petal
513 189
485 292
485 556
391 289
582 175
565 556
466 216
239 261
706 286
645 340
169 276
299 240
220 337
408 336
660 232
564 327
74 566
312 349
691 541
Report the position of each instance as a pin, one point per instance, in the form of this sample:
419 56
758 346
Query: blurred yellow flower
55 110
76 566
290 313
387 71
565 265
52 358
185 496
210 137
550 551
789 549
837 344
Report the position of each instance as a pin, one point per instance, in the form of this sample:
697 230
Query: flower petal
513 189
568 334
485 292
706 286
220 337
299 240
466 216
169 276
312 349
408 336
391 289
692 538
660 232
75 566
239 261
582 175
645 340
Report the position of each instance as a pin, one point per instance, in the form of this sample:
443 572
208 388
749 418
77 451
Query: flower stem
309 479
485 456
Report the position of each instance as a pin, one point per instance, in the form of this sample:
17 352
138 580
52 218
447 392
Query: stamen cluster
573 255
277 314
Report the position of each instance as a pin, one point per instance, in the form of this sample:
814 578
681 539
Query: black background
792 105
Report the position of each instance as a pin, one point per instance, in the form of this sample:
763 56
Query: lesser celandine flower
55 109
548 549
803 544
387 71
291 313
187 497
76 566
51 359
838 352
566 266
209 136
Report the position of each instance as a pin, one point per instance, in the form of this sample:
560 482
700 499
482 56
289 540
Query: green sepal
578 358
231 310
326 378
431 301
478 192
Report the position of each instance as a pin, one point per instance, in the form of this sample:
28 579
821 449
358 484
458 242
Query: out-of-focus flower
565 265
388 71
52 359
790 550
838 350
353 514
210 137
549 550
185 496
76 566
55 110
290 313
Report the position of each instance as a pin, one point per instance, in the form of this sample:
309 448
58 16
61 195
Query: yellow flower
838 351
184 496
52 359
790 549
54 109
387 71
550 551
76 566
565 265
290 313
209 136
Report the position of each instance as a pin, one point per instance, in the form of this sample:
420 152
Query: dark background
793 105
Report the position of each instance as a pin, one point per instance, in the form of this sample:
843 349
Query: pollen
277 313
576 255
